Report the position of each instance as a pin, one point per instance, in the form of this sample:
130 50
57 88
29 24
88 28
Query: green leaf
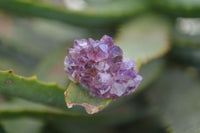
93 15
23 125
175 97
75 95
31 89
144 38
17 108
178 8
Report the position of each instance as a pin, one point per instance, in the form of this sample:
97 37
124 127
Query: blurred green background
163 36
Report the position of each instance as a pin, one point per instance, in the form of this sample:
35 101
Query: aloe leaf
176 99
102 15
23 125
178 8
144 38
31 89
50 94
17 108
75 96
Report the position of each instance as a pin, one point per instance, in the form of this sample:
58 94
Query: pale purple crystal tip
99 65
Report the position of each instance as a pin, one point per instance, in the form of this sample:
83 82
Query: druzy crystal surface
99 65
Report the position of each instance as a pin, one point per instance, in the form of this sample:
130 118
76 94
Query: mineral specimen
99 65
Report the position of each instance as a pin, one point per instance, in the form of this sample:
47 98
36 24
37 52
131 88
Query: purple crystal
71 69
90 41
117 90
102 81
107 40
90 68
85 79
126 71
81 44
83 59
99 65
73 53
114 68
133 84
98 52
115 55
102 66
102 84
128 63
115 51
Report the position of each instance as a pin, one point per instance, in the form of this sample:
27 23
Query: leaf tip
90 109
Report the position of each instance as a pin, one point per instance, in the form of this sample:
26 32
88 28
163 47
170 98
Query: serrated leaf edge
33 78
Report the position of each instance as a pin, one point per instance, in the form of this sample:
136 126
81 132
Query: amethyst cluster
99 65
